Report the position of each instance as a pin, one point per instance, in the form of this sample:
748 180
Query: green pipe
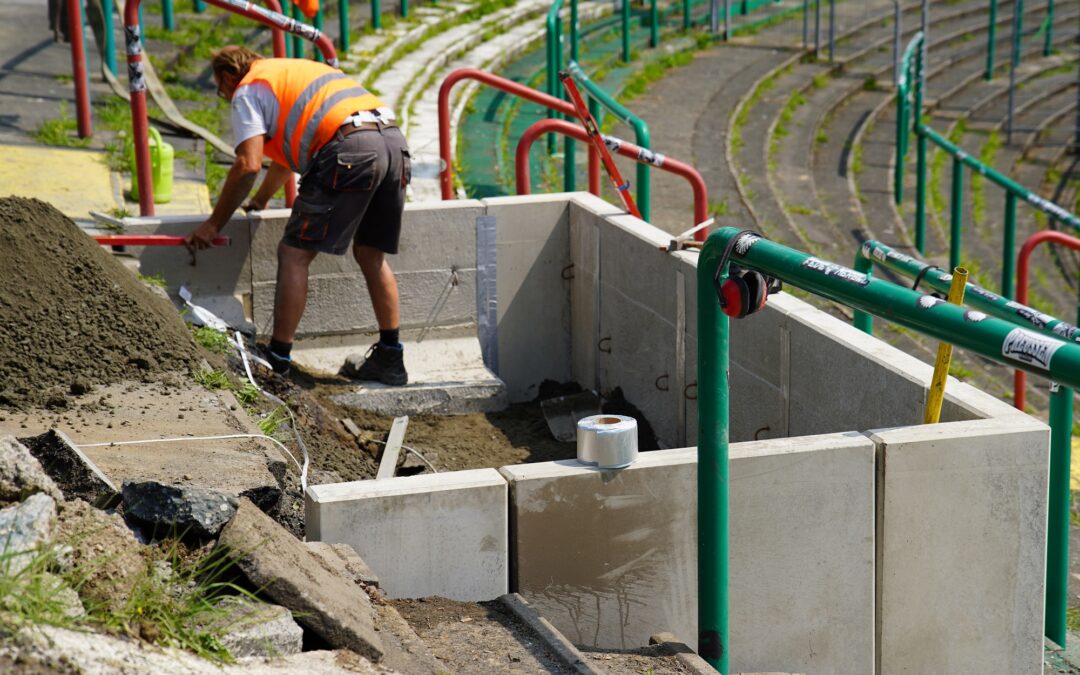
975 296
991 41
625 31
1003 181
641 134
920 193
1048 46
956 219
319 27
376 15
200 6
1057 527
343 24
712 478
1008 254
167 18
404 9
996 339
552 46
685 14
109 38
574 30
654 25
298 44
863 320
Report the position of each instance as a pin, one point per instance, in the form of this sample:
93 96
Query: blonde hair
233 60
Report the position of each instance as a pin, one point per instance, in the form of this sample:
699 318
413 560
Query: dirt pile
71 316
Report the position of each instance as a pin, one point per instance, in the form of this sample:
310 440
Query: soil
478 637
654 660
72 316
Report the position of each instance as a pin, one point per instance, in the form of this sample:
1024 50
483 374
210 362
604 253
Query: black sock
281 349
389 337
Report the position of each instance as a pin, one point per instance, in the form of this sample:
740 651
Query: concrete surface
287 573
610 557
961 546
433 534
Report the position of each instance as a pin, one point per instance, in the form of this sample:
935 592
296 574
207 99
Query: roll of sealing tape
608 441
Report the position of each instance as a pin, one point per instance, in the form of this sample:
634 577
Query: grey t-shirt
254 112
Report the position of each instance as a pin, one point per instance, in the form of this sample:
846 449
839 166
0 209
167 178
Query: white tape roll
608 441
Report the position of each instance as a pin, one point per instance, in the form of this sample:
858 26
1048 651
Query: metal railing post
712 508
376 15
991 41
1014 63
817 28
78 68
714 16
199 6
1008 258
685 14
404 9
727 20
956 216
863 321
110 38
626 31
920 151
318 23
343 24
297 42
805 24
1057 527
832 29
1048 43
654 25
896 42
552 45
167 18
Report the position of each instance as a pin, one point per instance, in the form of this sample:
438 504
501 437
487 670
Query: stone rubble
178 509
76 475
21 475
24 529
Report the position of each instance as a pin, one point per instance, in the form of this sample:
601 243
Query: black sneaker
381 364
280 364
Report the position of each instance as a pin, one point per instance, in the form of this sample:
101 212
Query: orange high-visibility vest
309 7
313 101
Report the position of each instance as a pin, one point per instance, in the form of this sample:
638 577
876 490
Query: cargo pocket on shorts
406 167
354 172
309 222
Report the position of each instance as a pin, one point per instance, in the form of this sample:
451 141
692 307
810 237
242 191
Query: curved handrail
137 83
446 152
640 127
1064 330
634 152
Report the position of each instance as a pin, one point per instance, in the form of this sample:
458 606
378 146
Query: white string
408 449
239 343
195 438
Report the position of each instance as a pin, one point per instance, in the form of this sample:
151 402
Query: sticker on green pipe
833 270
1028 347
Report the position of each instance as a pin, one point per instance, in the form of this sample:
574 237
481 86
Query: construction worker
354 164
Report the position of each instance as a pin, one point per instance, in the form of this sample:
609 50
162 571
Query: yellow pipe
944 353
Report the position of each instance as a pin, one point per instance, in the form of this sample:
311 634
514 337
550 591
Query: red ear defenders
744 291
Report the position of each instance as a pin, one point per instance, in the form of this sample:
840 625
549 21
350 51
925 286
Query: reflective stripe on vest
313 101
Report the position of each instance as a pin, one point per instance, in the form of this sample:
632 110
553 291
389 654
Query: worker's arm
238 184
276 176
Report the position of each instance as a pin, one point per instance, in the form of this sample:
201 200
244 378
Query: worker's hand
201 237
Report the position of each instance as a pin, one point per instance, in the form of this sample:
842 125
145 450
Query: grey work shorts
353 193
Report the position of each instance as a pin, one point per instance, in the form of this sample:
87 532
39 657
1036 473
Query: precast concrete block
220 277
632 263
584 293
610 557
961 546
433 534
533 290
340 304
758 408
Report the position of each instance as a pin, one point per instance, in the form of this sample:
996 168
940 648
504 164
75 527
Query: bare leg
382 287
290 296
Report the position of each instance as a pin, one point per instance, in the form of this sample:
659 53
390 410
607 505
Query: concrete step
447 375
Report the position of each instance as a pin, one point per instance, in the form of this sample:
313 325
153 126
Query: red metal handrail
1022 260
624 148
78 68
137 82
151 240
446 153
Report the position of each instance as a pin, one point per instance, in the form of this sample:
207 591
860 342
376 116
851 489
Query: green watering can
161 166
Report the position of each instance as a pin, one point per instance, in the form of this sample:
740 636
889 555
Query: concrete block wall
434 534
961 546
610 558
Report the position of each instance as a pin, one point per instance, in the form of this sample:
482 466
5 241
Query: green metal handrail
641 133
995 339
1060 416
911 85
